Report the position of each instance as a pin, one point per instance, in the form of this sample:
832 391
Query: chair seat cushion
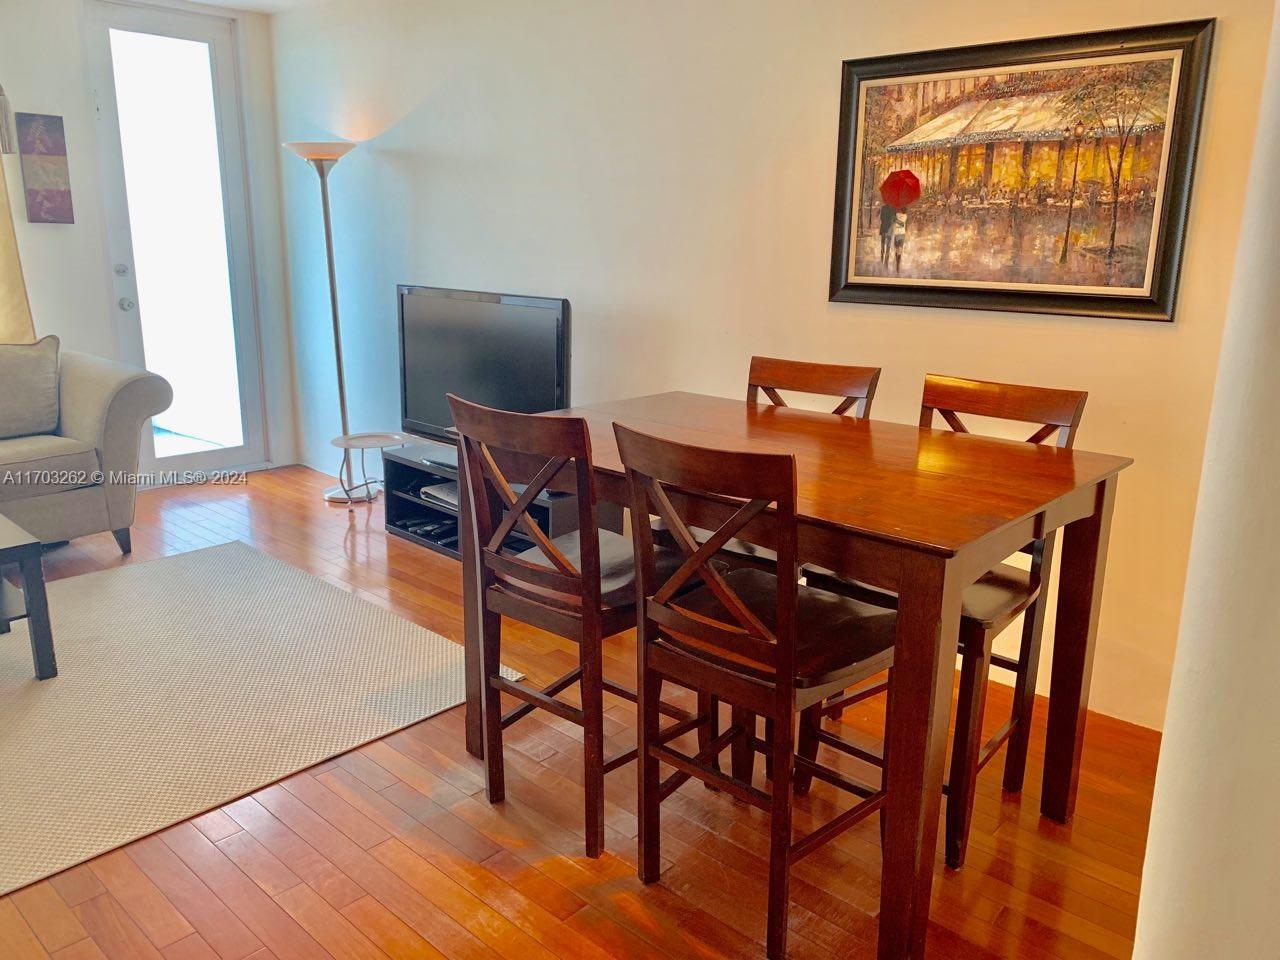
43 464
617 564
836 636
996 597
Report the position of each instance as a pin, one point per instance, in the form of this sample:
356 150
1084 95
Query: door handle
126 303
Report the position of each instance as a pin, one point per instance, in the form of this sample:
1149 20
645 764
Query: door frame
221 35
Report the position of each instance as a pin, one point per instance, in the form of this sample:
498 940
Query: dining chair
758 640
580 585
855 386
990 605
856 389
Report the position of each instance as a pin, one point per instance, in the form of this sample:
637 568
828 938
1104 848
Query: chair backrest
1055 411
656 468
855 385
500 450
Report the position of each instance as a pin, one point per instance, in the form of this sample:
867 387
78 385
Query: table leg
1084 560
916 745
471 658
38 615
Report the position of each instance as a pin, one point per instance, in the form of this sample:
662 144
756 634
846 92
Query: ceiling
263 6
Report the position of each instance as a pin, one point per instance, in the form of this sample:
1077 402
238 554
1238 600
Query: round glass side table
348 490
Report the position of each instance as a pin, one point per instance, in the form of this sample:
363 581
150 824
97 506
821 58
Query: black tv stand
430 519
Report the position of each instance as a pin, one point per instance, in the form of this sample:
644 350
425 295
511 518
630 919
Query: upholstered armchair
79 479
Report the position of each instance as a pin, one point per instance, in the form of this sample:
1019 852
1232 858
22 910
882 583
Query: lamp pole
1078 133
322 168
322 156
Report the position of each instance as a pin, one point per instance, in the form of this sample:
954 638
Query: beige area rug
186 682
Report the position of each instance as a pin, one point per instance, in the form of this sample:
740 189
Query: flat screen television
500 350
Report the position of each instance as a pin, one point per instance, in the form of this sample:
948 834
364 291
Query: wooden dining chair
856 389
855 386
580 586
758 640
989 605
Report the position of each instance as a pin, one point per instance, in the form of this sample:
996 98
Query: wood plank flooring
391 851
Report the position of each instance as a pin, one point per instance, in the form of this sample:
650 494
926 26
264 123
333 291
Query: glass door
174 172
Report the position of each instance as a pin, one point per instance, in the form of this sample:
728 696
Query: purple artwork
43 148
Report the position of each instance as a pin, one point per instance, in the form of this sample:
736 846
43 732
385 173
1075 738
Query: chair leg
491 643
837 714
807 745
962 784
781 750
592 690
650 838
709 707
1024 696
884 756
742 755
123 539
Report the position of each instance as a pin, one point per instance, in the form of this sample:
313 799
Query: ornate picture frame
1044 176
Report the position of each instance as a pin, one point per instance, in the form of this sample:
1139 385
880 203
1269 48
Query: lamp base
366 492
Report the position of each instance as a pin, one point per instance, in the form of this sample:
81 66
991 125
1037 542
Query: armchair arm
105 403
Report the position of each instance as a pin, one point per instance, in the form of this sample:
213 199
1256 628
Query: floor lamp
323 155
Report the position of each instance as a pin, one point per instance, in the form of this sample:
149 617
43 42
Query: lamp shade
321 149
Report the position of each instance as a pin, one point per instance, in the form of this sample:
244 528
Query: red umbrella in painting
900 189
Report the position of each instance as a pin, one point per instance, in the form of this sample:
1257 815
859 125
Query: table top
13 537
930 488
371 441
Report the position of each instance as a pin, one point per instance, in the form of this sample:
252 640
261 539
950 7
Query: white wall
1215 814
44 69
669 167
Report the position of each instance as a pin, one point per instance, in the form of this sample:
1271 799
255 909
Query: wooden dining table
923 513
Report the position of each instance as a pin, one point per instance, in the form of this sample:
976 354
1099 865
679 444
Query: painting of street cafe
1044 177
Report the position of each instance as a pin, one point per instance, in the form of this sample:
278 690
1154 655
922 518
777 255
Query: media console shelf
421 481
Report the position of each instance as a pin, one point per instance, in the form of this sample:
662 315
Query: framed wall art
1047 176
42 145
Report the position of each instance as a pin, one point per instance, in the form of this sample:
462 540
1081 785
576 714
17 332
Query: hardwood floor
391 851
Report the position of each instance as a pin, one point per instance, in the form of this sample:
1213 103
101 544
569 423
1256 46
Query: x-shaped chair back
856 386
660 472
1054 411
498 449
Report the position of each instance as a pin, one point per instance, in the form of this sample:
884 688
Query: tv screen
503 351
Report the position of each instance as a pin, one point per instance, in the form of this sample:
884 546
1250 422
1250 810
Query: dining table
920 512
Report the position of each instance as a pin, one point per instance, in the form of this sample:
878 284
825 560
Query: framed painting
1045 176
42 145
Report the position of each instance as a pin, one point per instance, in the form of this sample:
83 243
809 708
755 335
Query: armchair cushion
29 372
40 465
